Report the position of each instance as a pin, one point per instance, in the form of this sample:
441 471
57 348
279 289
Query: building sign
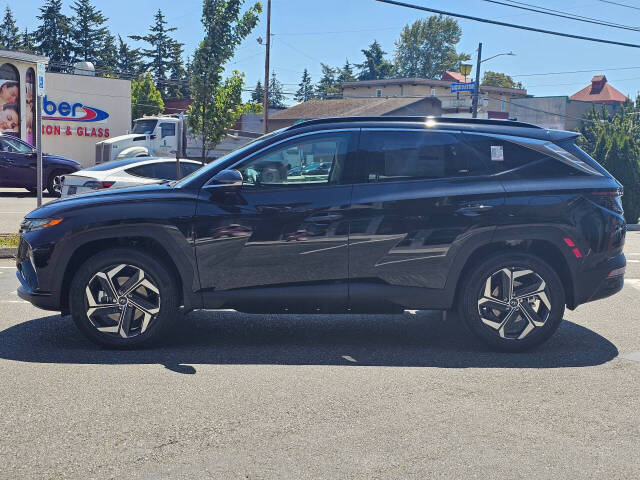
71 112
69 131
463 87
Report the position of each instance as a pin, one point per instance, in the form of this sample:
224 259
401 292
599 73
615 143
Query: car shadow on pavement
409 340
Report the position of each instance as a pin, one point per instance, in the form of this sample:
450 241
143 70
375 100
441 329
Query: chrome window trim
293 137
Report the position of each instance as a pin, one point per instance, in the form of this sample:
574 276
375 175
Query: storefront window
9 100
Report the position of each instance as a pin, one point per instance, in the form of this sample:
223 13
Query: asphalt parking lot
16 203
249 396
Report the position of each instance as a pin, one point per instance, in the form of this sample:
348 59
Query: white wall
76 139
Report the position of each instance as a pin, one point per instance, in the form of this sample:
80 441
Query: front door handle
325 218
474 209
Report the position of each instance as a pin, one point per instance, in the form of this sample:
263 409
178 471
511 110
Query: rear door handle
475 209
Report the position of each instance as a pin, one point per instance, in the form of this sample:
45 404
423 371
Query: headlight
30 224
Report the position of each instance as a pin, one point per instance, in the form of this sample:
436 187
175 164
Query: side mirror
229 178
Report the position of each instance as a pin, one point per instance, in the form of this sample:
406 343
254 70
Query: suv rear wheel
123 298
513 302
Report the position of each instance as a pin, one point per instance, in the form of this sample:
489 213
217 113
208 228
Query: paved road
247 396
15 203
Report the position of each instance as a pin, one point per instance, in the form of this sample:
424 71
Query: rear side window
142 170
505 156
160 171
187 168
403 155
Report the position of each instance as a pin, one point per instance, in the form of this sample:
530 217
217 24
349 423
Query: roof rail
435 120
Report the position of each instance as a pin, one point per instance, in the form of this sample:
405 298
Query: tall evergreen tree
107 61
129 60
9 33
257 95
177 86
160 53
305 92
53 35
27 41
328 86
89 35
276 95
346 73
375 66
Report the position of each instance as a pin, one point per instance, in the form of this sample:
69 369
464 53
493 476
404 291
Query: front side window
14 146
402 155
313 159
168 129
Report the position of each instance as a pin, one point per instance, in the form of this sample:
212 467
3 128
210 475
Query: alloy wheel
122 300
514 302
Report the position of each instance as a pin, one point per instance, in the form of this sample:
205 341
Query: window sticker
497 153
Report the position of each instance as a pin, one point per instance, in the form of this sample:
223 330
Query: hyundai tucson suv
506 222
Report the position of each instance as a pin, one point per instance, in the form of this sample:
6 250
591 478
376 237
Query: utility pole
40 93
265 100
476 87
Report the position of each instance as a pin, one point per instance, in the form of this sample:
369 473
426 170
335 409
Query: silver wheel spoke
124 323
531 315
134 282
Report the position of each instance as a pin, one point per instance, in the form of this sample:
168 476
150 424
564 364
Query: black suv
506 221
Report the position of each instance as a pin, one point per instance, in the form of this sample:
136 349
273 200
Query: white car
124 173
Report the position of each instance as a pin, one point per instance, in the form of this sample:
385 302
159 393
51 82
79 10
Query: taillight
609 199
97 185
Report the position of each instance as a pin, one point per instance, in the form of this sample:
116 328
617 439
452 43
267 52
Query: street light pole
265 100
476 87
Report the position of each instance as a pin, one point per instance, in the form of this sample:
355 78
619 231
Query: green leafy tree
53 36
305 90
375 66
328 86
613 139
257 94
89 35
276 94
217 103
10 37
129 60
427 48
145 97
346 73
497 79
161 52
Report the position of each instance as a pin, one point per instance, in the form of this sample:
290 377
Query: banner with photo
9 100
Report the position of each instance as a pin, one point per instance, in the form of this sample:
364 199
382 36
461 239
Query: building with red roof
599 91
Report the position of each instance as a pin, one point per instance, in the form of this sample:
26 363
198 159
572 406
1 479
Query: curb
9 252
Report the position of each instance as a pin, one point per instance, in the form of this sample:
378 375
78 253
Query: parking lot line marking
349 358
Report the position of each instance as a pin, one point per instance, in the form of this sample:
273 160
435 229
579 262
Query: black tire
32 191
154 270
51 181
473 293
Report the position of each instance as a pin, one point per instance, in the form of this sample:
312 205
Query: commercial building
566 112
494 102
78 110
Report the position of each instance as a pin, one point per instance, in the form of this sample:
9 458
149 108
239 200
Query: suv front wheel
512 302
123 298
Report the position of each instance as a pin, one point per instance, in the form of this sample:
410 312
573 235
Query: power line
510 25
573 71
561 14
620 4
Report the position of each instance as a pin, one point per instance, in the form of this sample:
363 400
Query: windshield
144 127
206 170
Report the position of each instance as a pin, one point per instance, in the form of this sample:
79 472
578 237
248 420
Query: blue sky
307 32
